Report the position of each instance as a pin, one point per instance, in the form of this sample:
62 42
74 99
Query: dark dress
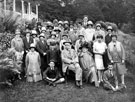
106 60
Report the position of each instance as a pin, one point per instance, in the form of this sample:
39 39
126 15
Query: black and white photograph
67 50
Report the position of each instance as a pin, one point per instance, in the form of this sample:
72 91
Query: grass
40 92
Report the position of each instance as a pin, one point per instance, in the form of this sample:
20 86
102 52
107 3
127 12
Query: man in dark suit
27 40
42 48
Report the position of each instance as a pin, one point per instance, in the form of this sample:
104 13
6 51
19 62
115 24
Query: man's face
109 31
28 35
51 64
17 35
85 19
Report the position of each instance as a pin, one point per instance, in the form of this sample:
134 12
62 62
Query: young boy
51 75
109 78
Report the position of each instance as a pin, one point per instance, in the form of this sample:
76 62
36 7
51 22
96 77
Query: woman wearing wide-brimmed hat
33 63
17 42
88 65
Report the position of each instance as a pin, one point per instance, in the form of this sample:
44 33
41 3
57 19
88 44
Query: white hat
109 27
43 29
17 31
53 33
34 32
49 23
32 45
60 22
90 23
66 22
98 25
42 35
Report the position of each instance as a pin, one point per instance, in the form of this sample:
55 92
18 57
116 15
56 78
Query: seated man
109 78
70 61
51 75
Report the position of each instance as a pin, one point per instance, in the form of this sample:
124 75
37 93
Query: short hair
99 36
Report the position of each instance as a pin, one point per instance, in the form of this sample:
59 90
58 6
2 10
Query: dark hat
67 42
39 24
85 45
113 35
52 60
80 35
52 43
99 36
65 35
28 32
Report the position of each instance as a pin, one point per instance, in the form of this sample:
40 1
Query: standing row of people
51 50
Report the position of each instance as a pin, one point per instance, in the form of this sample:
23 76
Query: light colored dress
99 49
33 63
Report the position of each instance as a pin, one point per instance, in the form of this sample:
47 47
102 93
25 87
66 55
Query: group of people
50 51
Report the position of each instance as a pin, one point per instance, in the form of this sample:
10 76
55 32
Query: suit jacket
68 57
108 39
26 43
42 47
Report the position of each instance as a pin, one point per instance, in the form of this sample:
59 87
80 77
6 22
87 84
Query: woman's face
99 39
32 49
114 39
98 28
84 49
67 46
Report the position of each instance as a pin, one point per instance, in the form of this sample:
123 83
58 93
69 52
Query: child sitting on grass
51 75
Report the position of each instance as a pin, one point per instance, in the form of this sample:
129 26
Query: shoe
123 86
54 85
80 87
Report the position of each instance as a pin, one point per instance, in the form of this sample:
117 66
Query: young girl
99 48
33 63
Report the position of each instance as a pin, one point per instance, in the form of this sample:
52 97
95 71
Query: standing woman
116 55
33 63
99 48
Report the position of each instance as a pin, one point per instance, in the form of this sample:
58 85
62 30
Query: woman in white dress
33 64
99 48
